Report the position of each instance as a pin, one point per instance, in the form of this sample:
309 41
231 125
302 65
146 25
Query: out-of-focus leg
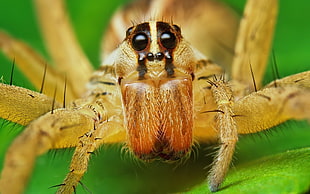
63 47
33 66
253 43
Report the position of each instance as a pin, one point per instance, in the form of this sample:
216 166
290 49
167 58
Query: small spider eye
129 30
177 28
168 40
140 41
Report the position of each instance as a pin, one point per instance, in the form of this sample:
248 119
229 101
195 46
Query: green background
112 171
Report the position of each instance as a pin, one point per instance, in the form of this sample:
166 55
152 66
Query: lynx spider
90 113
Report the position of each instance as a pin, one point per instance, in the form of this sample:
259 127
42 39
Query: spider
99 118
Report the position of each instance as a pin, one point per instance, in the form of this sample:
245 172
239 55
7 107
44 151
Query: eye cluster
167 37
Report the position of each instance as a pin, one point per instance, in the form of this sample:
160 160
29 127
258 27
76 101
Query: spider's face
155 71
154 50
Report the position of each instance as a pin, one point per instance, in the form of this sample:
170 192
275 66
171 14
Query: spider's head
155 71
154 50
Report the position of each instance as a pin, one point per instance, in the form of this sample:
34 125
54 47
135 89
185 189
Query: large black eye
168 40
140 41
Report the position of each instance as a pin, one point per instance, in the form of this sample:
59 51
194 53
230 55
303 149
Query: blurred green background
112 171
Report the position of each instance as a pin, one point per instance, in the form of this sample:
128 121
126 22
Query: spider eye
168 40
128 32
140 41
177 28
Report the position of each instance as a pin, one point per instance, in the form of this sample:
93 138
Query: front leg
61 129
58 130
228 134
106 132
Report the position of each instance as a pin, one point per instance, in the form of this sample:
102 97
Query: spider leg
274 105
61 129
298 80
256 112
228 134
62 44
58 130
33 65
253 43
86 146
21 105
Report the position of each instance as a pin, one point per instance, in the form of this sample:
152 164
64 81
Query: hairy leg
58 130
62 128
33 65
281 100
228 134
86 146
62 44
267 108
301 80
21 105
253 44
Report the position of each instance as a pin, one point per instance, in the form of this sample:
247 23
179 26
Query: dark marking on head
140 39
141 66
168 38
144 27
169 67
193 76
168 57
119 80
